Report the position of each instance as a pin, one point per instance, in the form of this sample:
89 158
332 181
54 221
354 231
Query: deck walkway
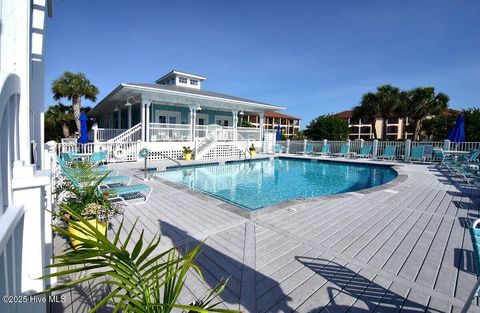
401 249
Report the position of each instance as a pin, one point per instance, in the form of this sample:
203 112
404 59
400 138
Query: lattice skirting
164 155
224 151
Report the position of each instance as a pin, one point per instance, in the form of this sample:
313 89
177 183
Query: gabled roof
175 72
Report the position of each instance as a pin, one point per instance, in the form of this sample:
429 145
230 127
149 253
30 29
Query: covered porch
158 113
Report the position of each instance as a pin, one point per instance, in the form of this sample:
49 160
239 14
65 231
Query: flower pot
187 156
77 231
253 153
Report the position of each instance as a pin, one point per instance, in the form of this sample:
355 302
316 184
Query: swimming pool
257 184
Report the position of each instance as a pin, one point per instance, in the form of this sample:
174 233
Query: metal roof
179 96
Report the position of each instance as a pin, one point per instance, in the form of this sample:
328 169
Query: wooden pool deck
401 248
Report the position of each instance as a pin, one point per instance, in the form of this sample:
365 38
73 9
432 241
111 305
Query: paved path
401 249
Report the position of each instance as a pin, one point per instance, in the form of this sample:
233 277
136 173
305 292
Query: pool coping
290 204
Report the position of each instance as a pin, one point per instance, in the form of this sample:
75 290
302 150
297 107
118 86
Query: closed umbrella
457 134
83 128
279 134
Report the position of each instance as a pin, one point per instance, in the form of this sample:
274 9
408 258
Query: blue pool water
257 184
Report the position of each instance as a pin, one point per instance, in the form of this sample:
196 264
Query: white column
142 119
147 120
261 122
235 124
191 123
119 118
129 116
194 122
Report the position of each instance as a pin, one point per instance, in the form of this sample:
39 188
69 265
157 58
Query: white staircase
130 135
203 148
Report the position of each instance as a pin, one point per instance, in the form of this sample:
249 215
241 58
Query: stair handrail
126 135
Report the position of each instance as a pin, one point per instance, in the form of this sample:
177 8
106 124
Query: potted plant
140 279
187 153
89 203
253 152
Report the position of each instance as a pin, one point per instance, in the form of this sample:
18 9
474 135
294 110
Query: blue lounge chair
418 154
475 237
279 149
344 150
308 149
119 193
365 152
388 153
98 157
325 150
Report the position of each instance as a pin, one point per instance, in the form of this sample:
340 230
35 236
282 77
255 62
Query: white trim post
446 144
375 149
408 148
235 122
147 118
142 116
304 145
129 116
261 116
119 118
194 123
95 132
288 146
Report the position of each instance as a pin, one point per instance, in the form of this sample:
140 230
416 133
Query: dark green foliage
60 123
437 127
246 124
472 124
327 127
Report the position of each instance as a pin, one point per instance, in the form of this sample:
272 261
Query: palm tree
389 100
422 102
58 116
368 109
74 86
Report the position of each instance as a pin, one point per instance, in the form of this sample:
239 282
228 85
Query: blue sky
313 57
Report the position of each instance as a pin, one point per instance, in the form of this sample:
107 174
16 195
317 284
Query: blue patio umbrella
279 134
83 128
457 134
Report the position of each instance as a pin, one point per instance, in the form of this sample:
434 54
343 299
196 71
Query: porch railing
116 151
248 133
105 134
169 132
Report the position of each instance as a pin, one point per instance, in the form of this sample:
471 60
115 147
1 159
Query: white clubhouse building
174 112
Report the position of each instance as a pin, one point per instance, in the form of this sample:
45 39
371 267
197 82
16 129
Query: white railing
11 236
248 133
130 135
224 133
116 151
465 146
201 131
399 148
169 132
105 134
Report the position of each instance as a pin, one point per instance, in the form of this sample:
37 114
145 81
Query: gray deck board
405 249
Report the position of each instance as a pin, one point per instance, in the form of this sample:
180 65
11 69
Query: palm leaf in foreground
140 279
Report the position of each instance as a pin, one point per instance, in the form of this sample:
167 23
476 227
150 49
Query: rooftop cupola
181 79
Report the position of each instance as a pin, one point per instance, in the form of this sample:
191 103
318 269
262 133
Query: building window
193 82
365 130
182 80
365 120
393 120
354 121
